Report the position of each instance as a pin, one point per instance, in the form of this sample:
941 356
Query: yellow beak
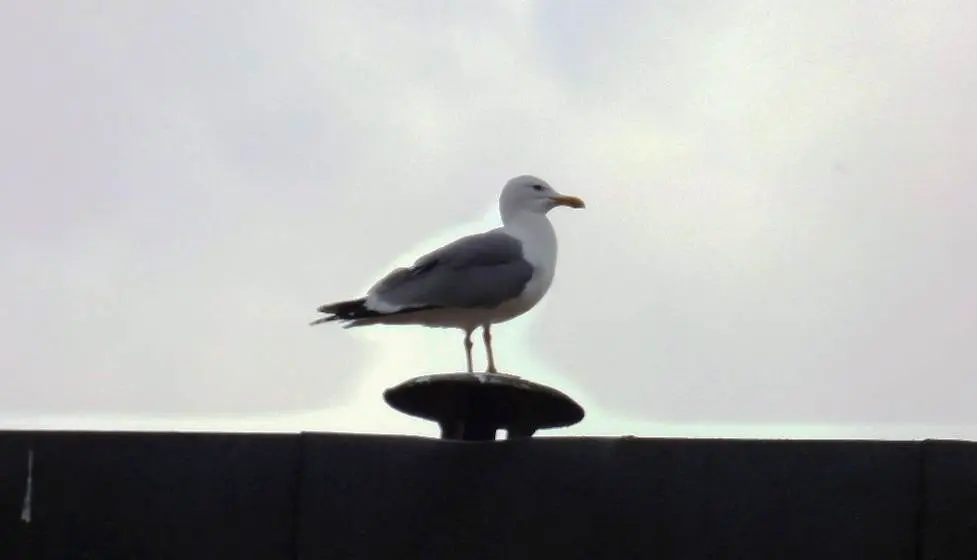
571 201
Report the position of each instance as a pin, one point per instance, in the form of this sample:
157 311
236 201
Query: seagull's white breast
539 247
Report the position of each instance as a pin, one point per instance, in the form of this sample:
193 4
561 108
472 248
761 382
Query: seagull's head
527 193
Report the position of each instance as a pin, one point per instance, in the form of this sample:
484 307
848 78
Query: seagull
476 281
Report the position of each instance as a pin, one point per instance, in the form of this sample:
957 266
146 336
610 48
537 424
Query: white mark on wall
25 511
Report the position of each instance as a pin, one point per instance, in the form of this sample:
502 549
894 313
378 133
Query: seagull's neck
537 235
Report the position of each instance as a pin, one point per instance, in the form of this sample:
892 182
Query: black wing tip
339 307
350 310
356 309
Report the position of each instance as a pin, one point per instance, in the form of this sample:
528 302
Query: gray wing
480 270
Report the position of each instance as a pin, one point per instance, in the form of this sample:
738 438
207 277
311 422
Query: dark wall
142 496
240 496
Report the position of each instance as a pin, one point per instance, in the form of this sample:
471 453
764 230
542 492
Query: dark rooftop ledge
320 495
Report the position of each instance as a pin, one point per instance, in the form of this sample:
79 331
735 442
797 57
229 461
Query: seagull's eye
538 188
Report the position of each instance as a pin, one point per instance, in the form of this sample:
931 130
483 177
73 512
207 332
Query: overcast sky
780 236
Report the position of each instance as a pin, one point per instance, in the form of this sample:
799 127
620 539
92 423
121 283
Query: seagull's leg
468 349
487 338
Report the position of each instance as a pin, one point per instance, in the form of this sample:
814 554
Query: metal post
473 407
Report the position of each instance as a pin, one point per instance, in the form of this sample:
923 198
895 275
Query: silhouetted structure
475 407
268 497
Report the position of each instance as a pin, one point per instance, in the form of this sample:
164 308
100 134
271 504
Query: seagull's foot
482 378
494 371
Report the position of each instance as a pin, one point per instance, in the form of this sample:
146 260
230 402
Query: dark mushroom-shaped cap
473 406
